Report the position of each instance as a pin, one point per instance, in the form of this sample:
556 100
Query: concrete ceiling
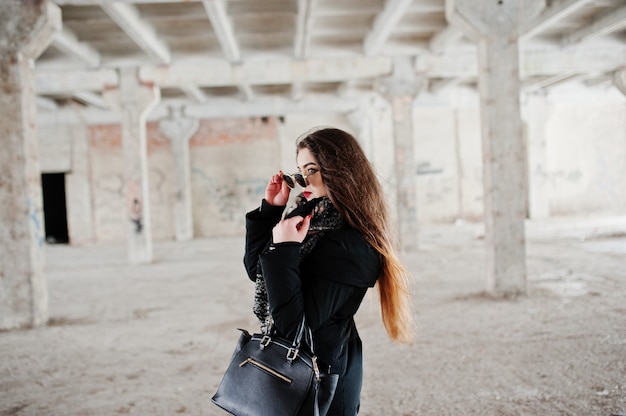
279 55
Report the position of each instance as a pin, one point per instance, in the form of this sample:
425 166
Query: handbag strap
309 340
302 326
303 330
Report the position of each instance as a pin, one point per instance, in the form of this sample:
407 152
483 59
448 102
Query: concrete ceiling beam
545 82
67 42
247 93
444 38
543 61
554 12
99 2
216 11
596 80
439 85
194 92
142 33
269 106
242 83
384 24
297 91
59 82
265 72
90 98
611 21
303 29
219 107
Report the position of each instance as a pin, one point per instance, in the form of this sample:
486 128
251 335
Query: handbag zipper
265 368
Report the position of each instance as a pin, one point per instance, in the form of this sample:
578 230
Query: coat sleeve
259 224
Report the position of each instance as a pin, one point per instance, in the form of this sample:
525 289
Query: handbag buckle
265 341
316 369
292 353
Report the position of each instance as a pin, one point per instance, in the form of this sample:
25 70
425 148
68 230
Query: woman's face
307 165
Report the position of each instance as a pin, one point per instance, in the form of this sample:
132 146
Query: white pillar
26 29
496 27
134 101
400 90
405 169
503 166
179 129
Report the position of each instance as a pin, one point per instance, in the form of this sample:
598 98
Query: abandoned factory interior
136 135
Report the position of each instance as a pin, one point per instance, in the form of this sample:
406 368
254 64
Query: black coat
328 287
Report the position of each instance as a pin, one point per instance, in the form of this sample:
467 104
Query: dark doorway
54 209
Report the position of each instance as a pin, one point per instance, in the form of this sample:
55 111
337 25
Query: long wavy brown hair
355 191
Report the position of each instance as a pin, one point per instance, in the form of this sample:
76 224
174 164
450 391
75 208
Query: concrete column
496 27
134 101
400 90
405 170
26 29
537 111
179 129
373 120
80 212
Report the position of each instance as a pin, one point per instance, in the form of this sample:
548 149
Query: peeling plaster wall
162 183
230 164
436 164
470 160
586 151
448 155
107 182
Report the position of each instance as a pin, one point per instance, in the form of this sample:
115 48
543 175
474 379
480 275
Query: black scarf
325 217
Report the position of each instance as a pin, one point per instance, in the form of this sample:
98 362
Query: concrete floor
155 339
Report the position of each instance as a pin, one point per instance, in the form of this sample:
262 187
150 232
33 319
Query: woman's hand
292 229
277 191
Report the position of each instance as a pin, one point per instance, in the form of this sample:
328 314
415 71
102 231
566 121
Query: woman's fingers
292 229
305 224
277 191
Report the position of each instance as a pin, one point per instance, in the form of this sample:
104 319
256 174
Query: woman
321 259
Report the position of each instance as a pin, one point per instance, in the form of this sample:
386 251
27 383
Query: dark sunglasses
297 178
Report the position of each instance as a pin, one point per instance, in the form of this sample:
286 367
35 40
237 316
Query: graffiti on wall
37 226
134 204
425 168
136 214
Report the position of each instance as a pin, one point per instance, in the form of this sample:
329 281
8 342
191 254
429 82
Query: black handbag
272 376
